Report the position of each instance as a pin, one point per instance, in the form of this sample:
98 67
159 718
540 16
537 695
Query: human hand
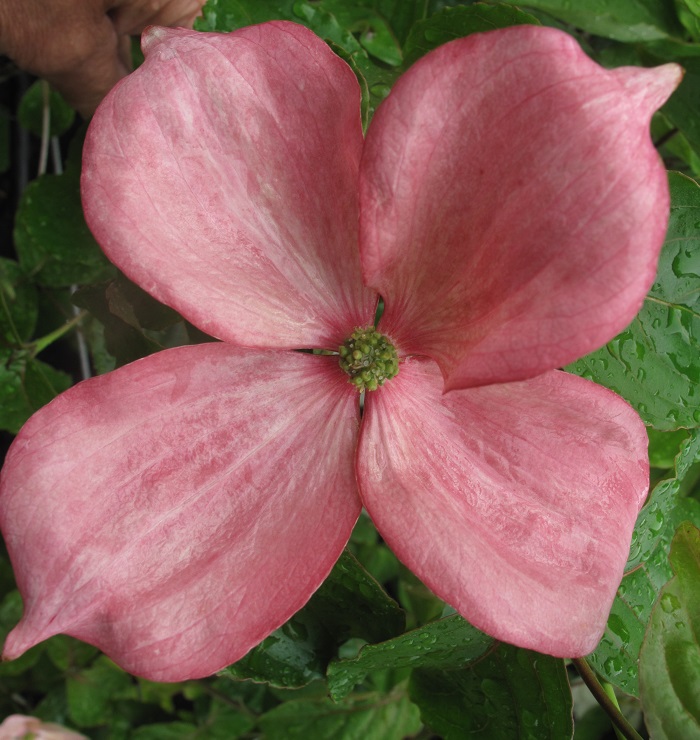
82 47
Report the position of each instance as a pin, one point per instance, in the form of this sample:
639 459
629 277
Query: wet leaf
510 693
452 23
670 657
349 604
616 657
448 643
655 363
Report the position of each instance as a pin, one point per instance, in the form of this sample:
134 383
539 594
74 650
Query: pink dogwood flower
509 207
21 727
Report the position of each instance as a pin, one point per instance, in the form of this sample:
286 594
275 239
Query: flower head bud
369 358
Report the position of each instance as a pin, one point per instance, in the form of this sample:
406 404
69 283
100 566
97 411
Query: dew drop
612 666
670 603
617 627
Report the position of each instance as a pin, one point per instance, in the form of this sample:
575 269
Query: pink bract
21 727
509 207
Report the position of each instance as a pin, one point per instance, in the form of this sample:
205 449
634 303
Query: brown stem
616 716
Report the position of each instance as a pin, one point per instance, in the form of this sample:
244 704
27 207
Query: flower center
369 358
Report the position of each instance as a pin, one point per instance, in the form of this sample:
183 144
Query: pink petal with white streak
222 178
512 203
514 503
178 510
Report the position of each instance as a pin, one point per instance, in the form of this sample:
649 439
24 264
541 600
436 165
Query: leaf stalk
623 729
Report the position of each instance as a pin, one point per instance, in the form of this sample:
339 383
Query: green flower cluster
368 358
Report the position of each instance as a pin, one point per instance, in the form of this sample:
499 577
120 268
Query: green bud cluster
368 358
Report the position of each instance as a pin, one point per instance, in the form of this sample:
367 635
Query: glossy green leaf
655 363
26 384
401 14
370 27
453 23
650 530
349 604
616 657
511 693
52 239
31 110
377 716
448 643
19 307
664 446
352 604
227 15
622 20
670 657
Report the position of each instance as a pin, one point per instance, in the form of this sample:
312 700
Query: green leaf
91 693
622 20
370 27
352 604
452 23
227 15
688 13
168 731
67 653
26 385
401 15
223 724
52 239
670 657
664 446
649 531
19 308
369 717
31 110
616 657
511 693
349 604
655 363
683 107
447 643
134 323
